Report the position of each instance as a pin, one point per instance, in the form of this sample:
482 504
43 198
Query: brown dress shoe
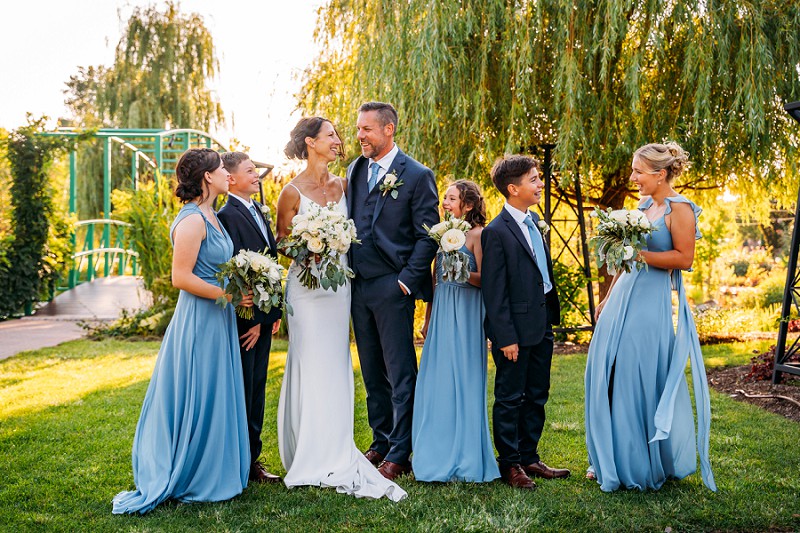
540 469
391 470
259 474
373 457
517 478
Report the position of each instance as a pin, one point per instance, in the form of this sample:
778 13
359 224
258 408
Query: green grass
67 417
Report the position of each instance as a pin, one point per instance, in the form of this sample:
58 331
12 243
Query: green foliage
34 256
474 79
150 210
571 286
62 434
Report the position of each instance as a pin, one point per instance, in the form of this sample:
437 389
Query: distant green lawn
67 417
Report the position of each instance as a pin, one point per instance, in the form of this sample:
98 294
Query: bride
315 413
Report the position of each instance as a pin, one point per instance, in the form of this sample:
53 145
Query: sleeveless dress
191 441
642 432
450 431
315 410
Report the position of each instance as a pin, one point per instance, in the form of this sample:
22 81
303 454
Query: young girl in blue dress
450 432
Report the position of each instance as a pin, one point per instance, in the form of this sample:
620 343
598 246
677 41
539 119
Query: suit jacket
397 223
245 234
512 286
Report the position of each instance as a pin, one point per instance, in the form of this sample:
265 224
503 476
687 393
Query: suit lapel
397 166
270 237
514 228
247 215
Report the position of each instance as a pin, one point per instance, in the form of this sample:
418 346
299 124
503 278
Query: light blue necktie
259 222
538 252
373 176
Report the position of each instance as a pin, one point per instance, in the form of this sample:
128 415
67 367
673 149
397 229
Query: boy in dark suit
521 307
245 221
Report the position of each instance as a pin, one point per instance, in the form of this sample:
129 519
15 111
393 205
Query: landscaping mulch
730 380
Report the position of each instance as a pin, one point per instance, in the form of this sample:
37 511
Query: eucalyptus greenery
473 79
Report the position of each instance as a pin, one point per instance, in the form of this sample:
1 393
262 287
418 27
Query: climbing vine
34 254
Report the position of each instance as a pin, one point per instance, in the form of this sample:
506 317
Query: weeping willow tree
473 79
160 78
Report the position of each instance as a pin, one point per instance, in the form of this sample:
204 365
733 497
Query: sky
263 47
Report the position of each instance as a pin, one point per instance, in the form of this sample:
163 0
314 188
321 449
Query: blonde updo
670 157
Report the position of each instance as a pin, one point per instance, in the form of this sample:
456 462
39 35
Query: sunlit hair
191 170
670 157
509 169
232 160
296 148
471 196
386 112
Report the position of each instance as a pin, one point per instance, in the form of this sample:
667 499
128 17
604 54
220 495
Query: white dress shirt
519 217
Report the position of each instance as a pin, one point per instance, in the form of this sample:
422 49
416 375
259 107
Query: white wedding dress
315 413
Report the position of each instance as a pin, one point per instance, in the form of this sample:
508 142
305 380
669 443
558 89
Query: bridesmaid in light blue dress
639 421
191 441
450 430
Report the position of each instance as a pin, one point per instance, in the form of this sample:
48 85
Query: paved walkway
57 321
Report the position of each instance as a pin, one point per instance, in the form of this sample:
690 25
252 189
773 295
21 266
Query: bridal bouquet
451 235
620 237
254 271
318 240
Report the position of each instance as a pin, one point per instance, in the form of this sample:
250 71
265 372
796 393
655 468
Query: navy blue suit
394 246
246 234
517 312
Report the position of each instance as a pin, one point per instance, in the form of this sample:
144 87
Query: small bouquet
318 240
254 271
620 237
450 235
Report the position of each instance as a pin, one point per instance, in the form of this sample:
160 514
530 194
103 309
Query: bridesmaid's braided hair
190 172
668 156
471 196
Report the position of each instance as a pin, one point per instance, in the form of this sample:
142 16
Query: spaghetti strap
295 188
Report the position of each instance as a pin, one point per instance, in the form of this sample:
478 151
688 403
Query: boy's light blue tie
373 176
538 252
259 222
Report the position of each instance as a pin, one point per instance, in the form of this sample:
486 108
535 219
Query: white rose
452 240
627 252
315 245
439 229
241 260
390 179
259 263
300 227
639 219
619 215
315 225
299 218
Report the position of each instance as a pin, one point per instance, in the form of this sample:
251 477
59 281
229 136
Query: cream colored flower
315 245
390 179
439 229
453 239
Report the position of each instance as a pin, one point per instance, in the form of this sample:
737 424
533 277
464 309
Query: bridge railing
105 249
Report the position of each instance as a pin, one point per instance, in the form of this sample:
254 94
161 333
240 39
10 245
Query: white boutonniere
267 212
390 184
543 227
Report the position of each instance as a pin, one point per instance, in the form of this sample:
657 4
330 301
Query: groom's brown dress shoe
373 457
517 478
259 474
391 471
539 469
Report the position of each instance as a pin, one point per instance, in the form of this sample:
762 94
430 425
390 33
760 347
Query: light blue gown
450 430
191 441
645 434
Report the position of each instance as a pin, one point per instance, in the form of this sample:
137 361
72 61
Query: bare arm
681 224
188 235
474 246
288 205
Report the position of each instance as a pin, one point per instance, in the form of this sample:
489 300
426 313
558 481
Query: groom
249 229
390 197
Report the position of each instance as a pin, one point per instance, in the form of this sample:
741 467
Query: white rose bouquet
318 240
254 271
451 235
620 237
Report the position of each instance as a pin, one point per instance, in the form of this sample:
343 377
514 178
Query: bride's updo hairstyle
191 170
670 157
470 195
307 127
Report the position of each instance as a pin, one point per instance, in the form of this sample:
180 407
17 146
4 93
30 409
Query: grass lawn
67 417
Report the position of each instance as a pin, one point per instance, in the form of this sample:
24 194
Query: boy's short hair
231 160
509 169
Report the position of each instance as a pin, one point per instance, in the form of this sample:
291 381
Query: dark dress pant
254 371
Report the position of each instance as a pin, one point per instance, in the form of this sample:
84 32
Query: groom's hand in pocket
250 337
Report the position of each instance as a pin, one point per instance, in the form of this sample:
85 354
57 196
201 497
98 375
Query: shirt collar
247 203
518 216
386 161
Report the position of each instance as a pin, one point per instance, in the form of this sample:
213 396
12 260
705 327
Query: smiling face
451 202
528 191
645 178
244 179
326 144
376 140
